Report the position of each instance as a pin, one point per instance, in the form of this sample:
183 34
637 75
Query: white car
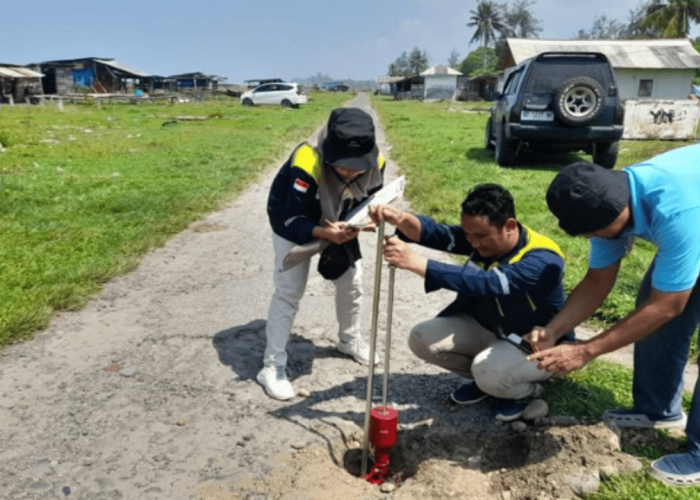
283 94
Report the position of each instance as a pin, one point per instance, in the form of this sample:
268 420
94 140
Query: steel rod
387 347
373 343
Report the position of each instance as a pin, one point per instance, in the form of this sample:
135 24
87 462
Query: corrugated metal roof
18 72
664 53
122 68
440 69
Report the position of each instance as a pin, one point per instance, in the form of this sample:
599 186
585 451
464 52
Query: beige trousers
461 345
289 290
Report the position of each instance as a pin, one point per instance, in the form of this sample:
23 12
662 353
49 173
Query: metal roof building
653 69
18 82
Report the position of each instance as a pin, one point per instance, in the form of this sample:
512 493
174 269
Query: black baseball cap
350 141
586 197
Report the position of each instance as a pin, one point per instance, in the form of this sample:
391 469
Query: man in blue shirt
657 200
512 281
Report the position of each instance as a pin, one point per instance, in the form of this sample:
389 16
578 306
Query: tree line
494 22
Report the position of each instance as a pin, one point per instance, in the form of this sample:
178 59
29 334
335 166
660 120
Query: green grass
440 147
84 193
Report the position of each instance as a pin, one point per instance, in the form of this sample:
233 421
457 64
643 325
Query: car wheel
505 152
579 100
488 145
247 102
286 103
605 154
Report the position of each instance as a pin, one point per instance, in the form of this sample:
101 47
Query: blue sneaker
682 469
468 394
506 410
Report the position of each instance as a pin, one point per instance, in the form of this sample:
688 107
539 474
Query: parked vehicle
557 101
288 95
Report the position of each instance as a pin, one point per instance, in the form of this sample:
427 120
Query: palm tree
672 17
487 19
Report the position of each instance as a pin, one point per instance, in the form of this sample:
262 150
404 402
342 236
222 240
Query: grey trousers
461 345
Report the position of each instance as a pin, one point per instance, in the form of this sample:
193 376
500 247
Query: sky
251 39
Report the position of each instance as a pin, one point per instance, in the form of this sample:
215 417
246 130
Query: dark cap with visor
586 197
350 141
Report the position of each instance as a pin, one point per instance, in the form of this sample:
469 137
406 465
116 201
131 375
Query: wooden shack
18 82
90 74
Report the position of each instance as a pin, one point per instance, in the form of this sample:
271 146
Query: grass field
85 192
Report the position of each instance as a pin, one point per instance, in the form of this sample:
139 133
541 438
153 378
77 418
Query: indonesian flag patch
300 185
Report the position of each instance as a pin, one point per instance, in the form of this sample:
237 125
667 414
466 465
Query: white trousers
461 345
289 289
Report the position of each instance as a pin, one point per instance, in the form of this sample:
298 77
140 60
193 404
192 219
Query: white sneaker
274 381
358 349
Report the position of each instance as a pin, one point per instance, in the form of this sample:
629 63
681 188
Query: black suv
557 101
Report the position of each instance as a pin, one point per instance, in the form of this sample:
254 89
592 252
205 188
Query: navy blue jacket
517 291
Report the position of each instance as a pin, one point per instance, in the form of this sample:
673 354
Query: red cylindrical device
382 436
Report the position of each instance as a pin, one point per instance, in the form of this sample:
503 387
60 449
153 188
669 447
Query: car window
264 88
512 82
547 75
284 87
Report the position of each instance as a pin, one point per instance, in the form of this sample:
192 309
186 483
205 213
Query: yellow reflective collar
307 159
535 241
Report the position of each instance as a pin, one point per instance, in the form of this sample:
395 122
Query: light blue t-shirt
665 206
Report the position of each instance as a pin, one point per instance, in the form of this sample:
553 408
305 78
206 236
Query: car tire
286 103
579 100
247 102
488 144
505 152
605 154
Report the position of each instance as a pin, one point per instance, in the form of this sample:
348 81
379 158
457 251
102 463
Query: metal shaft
373 342
387 347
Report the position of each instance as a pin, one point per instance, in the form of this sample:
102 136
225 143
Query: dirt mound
542 462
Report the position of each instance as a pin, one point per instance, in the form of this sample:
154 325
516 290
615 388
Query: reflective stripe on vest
535 241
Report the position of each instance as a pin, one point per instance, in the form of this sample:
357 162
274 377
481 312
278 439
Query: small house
18 82
96 75
440 83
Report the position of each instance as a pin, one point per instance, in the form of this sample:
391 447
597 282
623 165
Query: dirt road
149 392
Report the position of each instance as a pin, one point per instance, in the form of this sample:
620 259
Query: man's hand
336 232
388 213
562 359
399 254
541 338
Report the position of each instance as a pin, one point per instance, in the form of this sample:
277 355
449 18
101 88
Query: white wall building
440 83
644 69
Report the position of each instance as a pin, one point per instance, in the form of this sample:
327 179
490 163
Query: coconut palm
488 22
672 17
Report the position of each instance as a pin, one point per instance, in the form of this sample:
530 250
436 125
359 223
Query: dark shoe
507 410
468 394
